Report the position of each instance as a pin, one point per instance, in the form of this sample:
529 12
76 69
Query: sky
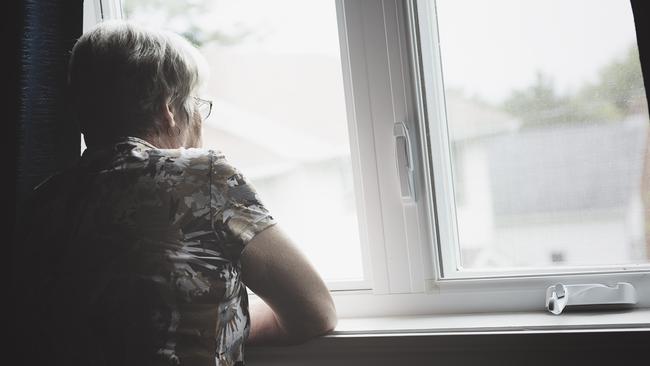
490 47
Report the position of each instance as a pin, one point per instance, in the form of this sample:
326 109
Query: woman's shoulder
186 154
186 158
198 163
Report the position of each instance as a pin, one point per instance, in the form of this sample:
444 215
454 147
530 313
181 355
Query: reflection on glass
278 112
548 123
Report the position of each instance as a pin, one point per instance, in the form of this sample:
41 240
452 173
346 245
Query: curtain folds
47 138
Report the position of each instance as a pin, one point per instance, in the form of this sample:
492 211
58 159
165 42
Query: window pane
548 128
278 112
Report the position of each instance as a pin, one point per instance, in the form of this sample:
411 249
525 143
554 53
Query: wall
588 348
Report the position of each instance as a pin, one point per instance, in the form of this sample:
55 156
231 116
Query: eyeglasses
204 107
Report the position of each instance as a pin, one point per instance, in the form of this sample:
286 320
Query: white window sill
494 322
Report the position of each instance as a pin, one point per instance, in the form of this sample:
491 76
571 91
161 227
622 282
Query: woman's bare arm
296 303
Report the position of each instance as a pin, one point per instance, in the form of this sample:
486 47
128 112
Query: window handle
559 297
404 161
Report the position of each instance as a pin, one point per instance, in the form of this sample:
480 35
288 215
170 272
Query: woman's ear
167 115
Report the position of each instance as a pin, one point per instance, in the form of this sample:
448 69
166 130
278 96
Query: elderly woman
142 251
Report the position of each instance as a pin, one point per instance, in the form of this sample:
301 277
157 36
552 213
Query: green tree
538 103
621 83
617 93
190 18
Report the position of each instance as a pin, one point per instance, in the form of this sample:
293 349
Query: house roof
567 167
469 119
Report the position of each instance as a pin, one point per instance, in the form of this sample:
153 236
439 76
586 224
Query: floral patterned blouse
145 269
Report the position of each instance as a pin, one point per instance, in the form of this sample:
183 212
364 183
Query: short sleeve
238 213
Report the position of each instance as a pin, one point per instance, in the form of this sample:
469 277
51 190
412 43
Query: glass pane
278 112
548 124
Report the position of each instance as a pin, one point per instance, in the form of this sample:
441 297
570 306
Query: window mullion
384 113
416 238
380 93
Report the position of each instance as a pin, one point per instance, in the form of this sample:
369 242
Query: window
552 123
472 169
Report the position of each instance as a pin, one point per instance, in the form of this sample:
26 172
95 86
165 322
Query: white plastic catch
593 296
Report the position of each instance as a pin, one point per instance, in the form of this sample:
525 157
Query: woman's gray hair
121 75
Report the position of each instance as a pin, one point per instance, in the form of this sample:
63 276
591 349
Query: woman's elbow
331 319
322 321
328 319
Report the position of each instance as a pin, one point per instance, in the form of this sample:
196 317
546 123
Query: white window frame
384 83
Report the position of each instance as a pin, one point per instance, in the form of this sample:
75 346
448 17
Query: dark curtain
641 10
42 33
39 36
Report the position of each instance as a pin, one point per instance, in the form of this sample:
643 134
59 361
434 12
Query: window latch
404 161
591 296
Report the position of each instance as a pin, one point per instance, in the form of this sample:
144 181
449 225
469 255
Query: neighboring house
564 194
473 125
